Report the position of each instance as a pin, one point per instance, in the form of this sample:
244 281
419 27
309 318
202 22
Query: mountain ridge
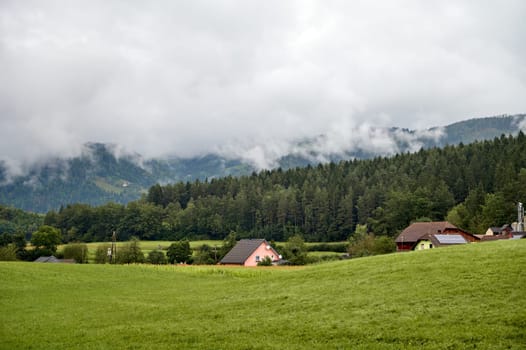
104 173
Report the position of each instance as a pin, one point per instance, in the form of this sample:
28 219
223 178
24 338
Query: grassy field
146 246
448 298
151 245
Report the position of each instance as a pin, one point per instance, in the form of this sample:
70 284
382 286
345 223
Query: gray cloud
247 77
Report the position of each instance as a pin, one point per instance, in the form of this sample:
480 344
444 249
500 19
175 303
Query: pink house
248 252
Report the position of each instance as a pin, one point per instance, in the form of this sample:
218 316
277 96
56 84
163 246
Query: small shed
249 252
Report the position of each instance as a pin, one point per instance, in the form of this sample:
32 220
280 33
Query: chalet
426 235
249 252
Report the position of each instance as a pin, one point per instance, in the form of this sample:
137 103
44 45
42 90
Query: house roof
417 230
48 259
450 239
440 240
53 259
242 250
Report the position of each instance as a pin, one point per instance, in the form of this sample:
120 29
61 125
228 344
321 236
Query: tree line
473 186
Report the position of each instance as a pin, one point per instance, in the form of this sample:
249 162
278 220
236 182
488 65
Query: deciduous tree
179 252
47 238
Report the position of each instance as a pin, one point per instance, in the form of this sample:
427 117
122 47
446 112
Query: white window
257 258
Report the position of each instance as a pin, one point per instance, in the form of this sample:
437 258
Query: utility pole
520 217
114 248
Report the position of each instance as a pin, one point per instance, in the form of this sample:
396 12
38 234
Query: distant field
449 298
148 246
151 245
322 254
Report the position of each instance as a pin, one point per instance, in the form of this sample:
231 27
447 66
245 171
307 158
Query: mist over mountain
107 172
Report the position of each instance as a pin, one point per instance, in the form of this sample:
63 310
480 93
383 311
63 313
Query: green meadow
146 246
449 298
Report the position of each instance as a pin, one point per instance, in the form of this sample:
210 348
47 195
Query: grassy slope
459 297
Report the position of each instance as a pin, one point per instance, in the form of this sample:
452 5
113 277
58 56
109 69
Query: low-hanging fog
249 78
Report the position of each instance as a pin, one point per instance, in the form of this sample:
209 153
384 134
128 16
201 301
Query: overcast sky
188 77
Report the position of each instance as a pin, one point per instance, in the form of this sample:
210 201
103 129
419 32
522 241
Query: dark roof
48 259
242 250
417 230
52 259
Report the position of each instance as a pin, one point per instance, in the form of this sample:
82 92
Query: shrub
295 250
205 255
328 247
384 245
8 253
179 252
364 244
131 253
77 251
101 254
267 261
157 257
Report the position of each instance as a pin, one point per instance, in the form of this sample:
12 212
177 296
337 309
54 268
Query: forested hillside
16 221
473 186
95 177
104 174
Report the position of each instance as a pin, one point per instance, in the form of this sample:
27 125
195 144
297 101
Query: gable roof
47 259
242 250
50 259
417 230
53 259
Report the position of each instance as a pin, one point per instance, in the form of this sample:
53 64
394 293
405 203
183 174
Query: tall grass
459 297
